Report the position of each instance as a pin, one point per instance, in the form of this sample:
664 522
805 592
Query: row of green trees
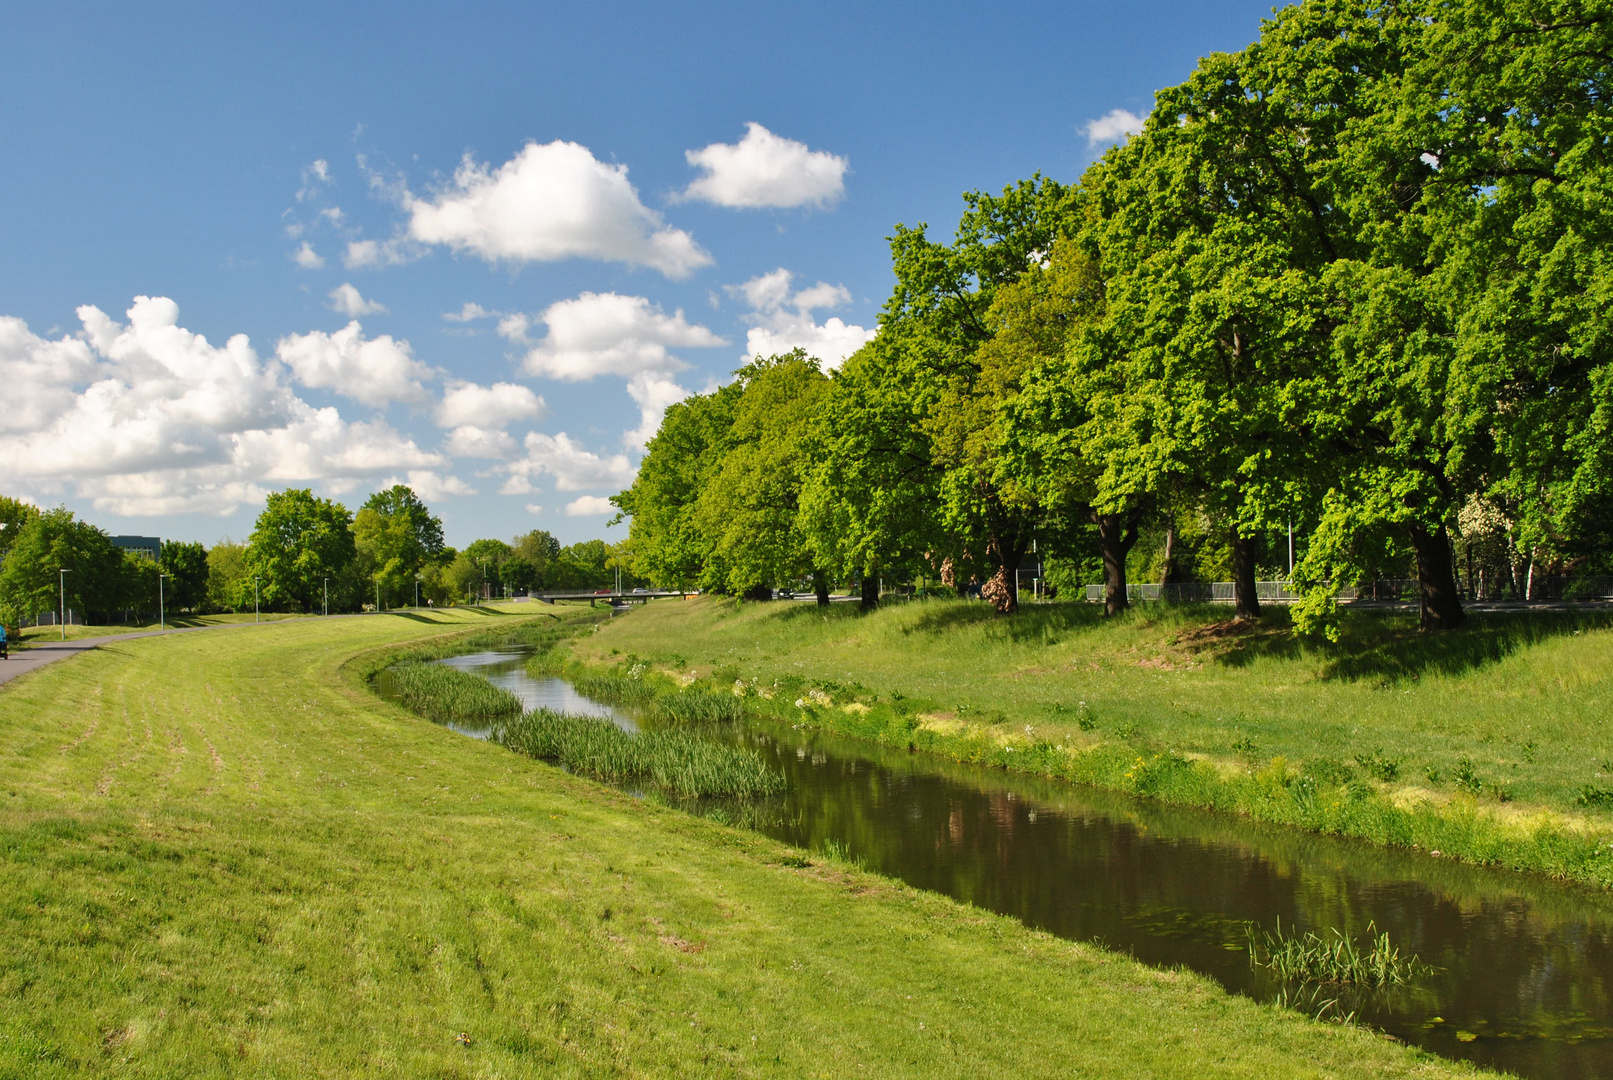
1351 281
306 554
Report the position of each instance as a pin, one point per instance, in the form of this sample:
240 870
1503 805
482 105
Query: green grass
445 695
1490 744
223 855
676 762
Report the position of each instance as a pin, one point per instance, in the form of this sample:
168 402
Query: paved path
22 661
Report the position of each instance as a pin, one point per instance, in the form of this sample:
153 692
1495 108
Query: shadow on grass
1387 647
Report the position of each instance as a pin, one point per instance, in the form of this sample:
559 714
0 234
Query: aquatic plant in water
675 761
1335 958
444 694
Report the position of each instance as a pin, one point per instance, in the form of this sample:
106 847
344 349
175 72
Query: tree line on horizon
306 554
1350 284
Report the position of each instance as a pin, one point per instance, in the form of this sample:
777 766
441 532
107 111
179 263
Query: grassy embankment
1490 745
221 854
31 635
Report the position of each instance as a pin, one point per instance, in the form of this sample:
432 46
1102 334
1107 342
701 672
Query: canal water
1523 967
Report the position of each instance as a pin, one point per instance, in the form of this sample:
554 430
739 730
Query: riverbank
1486 745
223 855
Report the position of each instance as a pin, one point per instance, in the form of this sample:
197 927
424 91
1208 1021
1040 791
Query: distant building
149 547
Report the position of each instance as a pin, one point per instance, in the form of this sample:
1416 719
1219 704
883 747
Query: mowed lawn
1516 706
221 855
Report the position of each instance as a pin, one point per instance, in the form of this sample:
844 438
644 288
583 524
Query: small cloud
1114 126
589 506
307 258
366 253
314 177
346 299
607 334
533 508
469 313
766 170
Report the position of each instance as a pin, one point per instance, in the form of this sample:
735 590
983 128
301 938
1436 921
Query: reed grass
674 761
446 695
699 707
615 687
1334 958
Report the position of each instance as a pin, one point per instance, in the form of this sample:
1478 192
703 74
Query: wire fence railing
1383 589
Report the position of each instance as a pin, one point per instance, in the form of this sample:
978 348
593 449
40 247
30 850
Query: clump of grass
1379 765
546 664
446 695
628 689
1334 959
674 761
700 707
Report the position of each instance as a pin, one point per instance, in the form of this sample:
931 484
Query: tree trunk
870 598
820 587
1245 597
1167 565
1436 579
1116 535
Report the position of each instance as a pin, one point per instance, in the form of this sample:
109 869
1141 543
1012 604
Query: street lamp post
325 604
162 609
61 577
255 615
417 590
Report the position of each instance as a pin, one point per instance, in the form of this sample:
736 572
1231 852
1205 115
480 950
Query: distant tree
298 541
51 541
463 577
186 563
518 573
539 549
488 556
584 566
226 571
14 514
400 503
395 536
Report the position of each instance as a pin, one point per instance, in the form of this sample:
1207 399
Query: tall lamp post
255 616
162 610
61 577
417 591
325 603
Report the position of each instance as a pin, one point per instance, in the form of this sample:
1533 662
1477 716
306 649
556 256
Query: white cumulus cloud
782 319
573 467
551 201
430 485
488 406
1114 126
589 506
146 417
764 169
471 441
346 299
654 394
607 334
307 258
374 371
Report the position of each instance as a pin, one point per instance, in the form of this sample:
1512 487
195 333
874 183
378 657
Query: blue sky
304 193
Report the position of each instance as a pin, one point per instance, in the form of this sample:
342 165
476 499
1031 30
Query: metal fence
1386 589
1269 592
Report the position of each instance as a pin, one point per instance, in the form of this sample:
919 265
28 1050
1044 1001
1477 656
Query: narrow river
1524 967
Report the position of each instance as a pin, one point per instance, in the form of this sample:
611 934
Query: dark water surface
1524 977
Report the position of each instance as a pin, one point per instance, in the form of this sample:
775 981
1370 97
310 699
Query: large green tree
299 540
749 508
